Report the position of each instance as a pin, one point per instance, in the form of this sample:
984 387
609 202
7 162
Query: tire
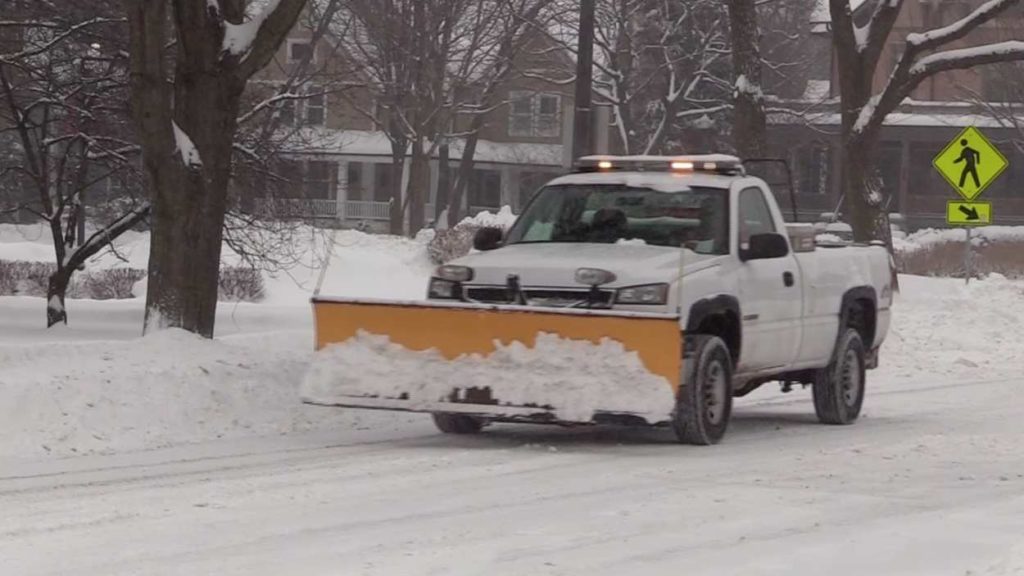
457 423
839 388
704 404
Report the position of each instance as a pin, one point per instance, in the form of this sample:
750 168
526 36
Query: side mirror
487 238
764 247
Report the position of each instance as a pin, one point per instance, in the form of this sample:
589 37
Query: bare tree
429 66
186 124
63 84
863 110
659 64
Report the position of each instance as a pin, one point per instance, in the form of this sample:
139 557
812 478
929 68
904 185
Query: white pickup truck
758 300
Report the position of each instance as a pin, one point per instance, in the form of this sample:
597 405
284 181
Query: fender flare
722 304
852 295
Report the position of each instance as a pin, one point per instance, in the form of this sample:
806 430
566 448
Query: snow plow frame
456 328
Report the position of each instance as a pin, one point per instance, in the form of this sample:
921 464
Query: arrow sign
968 213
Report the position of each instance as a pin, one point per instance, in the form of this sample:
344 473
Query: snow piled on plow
575 378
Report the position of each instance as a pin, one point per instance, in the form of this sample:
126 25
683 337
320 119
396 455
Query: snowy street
929 482
172 455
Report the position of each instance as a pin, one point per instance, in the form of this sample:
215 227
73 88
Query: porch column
341 196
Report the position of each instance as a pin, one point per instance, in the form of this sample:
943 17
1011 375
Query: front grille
552 297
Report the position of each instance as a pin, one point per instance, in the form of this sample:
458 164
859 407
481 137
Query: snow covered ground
173 455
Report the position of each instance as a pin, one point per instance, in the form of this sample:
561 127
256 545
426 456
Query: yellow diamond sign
970 163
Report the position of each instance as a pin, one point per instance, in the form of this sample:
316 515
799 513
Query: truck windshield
696 218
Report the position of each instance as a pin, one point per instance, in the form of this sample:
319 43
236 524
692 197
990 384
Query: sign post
969 163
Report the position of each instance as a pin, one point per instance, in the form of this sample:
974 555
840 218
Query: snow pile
503 219
943 329
576 378
165 389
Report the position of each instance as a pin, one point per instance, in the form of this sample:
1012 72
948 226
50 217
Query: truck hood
555 264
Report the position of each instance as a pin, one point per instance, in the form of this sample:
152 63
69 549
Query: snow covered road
173 455
930 481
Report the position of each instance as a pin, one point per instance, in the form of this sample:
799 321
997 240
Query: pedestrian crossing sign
970 163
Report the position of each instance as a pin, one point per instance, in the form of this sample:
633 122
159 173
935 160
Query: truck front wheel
704 404
839 387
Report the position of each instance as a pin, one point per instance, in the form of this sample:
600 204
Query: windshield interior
695 218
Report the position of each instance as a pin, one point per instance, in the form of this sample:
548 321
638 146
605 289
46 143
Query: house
937 111
340 160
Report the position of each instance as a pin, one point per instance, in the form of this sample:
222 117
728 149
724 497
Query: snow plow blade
506 363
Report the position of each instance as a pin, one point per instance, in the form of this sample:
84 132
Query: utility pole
582 127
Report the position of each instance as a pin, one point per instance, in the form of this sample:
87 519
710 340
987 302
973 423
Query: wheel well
725 325
860 315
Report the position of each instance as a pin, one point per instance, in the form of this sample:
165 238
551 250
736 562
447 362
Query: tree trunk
56 291
190 202
750 133
418 187
458 191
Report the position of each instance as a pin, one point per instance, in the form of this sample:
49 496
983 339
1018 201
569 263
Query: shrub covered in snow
110 284
240 284
19 278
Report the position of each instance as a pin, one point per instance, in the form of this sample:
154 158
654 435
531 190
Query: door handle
787 279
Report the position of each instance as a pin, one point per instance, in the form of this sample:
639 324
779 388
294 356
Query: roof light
709 163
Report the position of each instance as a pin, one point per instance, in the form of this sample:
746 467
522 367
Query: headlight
649 294
594 276
441 289
453 273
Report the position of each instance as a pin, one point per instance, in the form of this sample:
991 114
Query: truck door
770 292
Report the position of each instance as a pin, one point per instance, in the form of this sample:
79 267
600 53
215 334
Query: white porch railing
350 210
365 210
298 207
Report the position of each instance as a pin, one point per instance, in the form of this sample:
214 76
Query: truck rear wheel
704 404
839 387
457 423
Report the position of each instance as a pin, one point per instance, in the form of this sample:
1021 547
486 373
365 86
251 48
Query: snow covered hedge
20 278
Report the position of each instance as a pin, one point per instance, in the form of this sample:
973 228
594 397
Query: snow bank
169 388
929 237
576 378
943 329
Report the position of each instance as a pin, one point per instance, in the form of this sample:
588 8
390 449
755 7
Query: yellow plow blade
629 363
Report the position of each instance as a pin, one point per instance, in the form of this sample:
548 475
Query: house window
316 107
318 179
286 112
383 182
116 184
299 50
533 114
354 175
311 109
485 189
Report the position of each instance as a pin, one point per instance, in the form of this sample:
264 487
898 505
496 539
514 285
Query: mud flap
549 364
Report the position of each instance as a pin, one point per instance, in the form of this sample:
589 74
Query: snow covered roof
371 143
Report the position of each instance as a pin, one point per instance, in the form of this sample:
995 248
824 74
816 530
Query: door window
755 217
